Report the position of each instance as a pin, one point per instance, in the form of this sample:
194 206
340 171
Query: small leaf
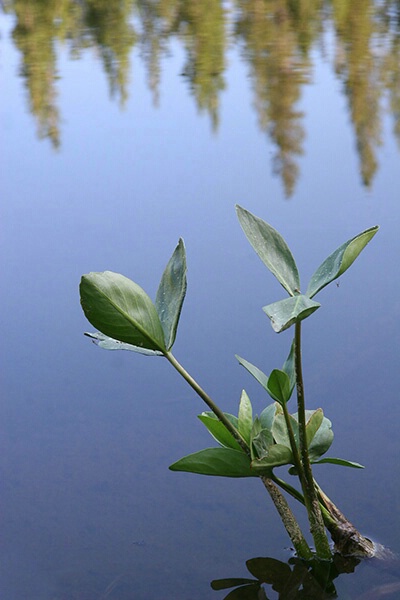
271 248
122 310
279 387
247 592
268 415
219 431
171 293
339 261
322 439
224 584
313 424
280 433
107 343
262 443
261 377
289 366
222 462
338 461
255 430
269 570
245 417
278 456
285 313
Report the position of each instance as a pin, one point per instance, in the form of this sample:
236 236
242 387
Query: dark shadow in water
300 580
276 40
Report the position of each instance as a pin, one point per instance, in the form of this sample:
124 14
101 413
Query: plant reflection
276 39
292 580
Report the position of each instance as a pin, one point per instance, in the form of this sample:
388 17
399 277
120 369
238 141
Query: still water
126 125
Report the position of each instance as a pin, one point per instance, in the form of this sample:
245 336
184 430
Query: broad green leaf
223 462
339 261
271 248
278 456
268 415
245 417
313 424
262 443
171 293
279 387
261 377
285 313
219 431
122 310
224 584
338 461
289 367
279 430
110 344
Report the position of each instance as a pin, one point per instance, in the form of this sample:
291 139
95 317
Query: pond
125 126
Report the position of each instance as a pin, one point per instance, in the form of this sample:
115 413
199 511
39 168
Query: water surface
125 126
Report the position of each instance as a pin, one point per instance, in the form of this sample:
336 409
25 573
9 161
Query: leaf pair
276 255
125 315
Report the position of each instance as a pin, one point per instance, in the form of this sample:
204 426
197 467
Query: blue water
89 509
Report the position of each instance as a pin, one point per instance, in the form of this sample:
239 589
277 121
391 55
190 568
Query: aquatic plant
248 445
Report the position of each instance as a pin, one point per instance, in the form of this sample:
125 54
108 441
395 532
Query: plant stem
292 527
307 480
289 521
210 403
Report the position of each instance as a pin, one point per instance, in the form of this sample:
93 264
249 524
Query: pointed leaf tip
339 261
271 248
171 293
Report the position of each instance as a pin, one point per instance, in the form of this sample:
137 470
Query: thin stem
210 403
307 481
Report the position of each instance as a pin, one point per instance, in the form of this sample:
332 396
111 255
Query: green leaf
107 343
261 377
251 591
289 367
245 417
222 462
255 430
322 439
262 443
338 461
339 261
267 416
280 433
224 584
313 424
270 570
219 431
285 313
278 456
279 387
271 248
171 293
122 310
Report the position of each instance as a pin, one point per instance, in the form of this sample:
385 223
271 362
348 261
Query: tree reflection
276 39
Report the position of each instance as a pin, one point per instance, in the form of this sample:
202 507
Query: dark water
126 125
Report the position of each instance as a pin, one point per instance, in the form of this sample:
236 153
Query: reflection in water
298 580
276 38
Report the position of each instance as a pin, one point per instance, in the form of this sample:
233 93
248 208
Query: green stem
307 481
210 403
